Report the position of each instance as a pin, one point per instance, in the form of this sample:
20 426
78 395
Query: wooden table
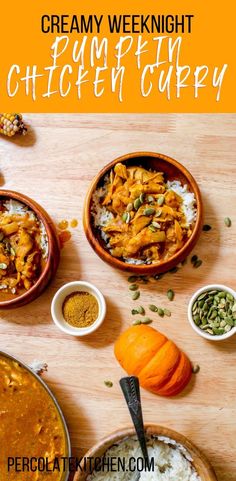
54 164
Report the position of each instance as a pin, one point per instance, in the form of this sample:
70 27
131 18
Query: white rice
172 461
189 201
15 207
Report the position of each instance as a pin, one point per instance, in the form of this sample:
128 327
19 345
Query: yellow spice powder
80 309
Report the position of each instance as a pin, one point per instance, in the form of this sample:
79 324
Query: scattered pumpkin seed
198 263
136 322
133 287
146 320
161 200
195 369
158 213
160 312
227 222
194 258
150 198
134 312
137 203
170 294
141 310
132 279
206 227
167 312
153 308
3 265
149 211
135 295
124 216
152 228
13 253
108 383
129 207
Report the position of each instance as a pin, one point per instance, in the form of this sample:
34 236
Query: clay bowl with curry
32 425
143 213
29 249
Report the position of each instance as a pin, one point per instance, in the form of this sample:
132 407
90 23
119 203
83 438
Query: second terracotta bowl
173 170
199 461
53 257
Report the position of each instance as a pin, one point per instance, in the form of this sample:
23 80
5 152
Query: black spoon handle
131 391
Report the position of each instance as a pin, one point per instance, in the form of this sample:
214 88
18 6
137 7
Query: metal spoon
131 391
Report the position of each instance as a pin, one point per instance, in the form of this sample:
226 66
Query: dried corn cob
11 124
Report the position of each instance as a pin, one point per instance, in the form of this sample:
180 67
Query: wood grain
54 165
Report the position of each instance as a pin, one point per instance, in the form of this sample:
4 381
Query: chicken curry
30 424
146 220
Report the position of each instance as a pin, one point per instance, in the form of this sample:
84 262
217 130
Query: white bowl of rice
172 457
143 213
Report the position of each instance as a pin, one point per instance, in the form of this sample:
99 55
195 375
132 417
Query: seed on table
167 312
133 287
206 227
170 294
227 222
146 320
160 312
153 308
135 295
198 263
108 383
141 310
132 279
194 258
195 369
136 322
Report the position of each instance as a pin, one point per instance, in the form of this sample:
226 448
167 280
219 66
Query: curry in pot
30 424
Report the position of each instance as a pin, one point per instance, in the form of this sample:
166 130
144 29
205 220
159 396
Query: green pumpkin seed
227 222
158 213
152 228
149 211
153 308
227 328
136 322
197 320
156 224
142 197
135 295
194 258
170 294
167 312
195 369
160 311
141 310
1 236
129 207
125 216
134 312
161 200
221 294
3 265
150 198
133 287
198 263
146 320
229 321
137 203
209 331
108 383
132 279
229 296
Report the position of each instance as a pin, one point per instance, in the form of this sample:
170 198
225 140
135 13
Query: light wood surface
54 164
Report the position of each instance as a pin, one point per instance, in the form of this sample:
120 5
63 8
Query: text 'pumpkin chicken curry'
23 248
141 217
30 424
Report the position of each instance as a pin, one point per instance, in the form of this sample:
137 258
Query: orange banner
174 56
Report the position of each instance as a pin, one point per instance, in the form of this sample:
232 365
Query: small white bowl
57 303
199 331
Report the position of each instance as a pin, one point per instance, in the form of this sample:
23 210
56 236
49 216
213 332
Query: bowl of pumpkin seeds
212 312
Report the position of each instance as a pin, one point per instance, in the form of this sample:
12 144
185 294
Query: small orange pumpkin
158 363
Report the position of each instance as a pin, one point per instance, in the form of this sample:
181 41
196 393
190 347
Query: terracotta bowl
52 261
199 461
173 171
